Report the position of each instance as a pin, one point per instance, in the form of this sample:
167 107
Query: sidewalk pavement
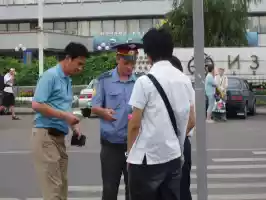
29 111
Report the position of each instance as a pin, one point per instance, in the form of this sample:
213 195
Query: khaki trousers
51 163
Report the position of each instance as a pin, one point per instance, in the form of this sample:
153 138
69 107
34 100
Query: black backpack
2 83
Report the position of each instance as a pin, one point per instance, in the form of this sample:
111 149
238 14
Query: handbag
168 107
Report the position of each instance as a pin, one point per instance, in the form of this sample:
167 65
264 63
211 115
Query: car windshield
234 83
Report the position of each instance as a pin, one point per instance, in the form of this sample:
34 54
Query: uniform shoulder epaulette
105 75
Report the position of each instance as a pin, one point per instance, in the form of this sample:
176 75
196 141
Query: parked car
241 99
86 97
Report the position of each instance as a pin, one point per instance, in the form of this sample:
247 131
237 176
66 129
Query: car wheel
253 109
245 111
86 112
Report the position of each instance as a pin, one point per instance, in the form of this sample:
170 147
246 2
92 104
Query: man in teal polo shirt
53 104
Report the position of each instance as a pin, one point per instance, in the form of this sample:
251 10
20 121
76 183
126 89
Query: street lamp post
21 48
40 35
198 35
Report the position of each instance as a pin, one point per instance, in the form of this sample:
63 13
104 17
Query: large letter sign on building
244 62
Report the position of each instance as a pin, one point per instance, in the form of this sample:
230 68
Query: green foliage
27 75
225 22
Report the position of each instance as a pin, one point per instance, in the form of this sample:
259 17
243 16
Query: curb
31 112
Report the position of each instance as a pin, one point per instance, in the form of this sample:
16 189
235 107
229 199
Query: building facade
94 18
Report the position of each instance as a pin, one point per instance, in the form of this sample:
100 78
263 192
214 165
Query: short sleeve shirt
209 85
54 89
157 139
113 93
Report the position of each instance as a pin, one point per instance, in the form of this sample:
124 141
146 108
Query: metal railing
24 95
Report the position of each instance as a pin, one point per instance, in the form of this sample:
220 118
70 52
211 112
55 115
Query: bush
27 75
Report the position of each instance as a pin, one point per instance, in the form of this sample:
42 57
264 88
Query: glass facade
257 24
26 2
86 28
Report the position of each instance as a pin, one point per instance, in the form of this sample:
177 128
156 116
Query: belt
55 132
116 145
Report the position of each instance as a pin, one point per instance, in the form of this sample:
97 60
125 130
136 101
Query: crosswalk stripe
119 197
87 188
232 185
9 199
227 176
194 197
230 176
233 167
232 197
259 152
238 159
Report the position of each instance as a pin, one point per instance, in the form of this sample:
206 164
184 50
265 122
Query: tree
27 75
225 22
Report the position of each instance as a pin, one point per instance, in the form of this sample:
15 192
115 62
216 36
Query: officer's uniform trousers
113 162
51 163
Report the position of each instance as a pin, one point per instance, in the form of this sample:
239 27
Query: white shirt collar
160 64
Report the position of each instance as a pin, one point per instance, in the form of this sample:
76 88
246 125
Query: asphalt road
236 161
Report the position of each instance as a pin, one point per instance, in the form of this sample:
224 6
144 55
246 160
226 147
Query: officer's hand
71 119
108 114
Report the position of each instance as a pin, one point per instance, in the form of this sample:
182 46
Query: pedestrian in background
185 193
52 102
210 89
222 84
8 99
156 137
110 103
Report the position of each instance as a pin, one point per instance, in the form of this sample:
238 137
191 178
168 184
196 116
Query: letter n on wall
236 61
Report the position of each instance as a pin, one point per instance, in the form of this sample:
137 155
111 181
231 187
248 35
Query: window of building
12 27
33 26
133 26
72 27
24 27
95 28
3 27
262 22
156 22
120 26
108 26
84 28
253 24
48 26
59 27
145 25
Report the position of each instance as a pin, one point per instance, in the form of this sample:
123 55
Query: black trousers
155 182
113 163
8 99
185 193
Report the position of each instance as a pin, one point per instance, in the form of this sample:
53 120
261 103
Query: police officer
110 103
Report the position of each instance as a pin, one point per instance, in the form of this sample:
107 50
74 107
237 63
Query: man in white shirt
154 150
8 100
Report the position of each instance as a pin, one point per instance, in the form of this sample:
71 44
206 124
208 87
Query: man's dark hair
176 63
158 44
210 68
74 50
